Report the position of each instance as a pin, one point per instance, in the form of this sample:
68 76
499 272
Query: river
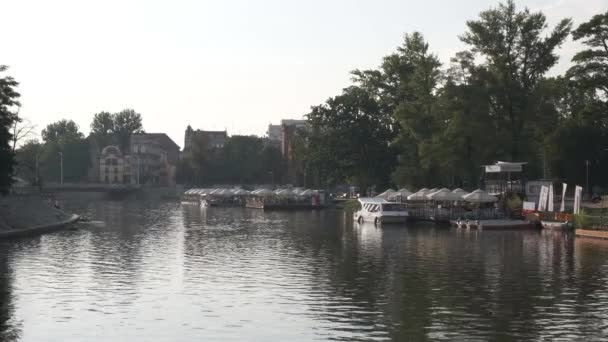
159 271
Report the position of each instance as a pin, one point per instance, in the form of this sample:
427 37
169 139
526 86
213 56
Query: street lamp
271 177
61 166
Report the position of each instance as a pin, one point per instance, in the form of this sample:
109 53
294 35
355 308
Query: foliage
103 123
61 137
351 140
61 131
28 161
581 220
8 100
242 160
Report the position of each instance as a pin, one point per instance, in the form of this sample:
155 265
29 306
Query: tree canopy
8 101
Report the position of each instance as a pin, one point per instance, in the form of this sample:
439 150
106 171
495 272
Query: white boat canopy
480 196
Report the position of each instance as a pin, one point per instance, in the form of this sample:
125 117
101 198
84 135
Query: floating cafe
478 209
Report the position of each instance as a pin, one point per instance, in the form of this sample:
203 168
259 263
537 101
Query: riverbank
22 215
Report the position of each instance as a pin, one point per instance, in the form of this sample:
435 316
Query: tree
23 129
591 69
516 57
61 131
350 140
103 124
8 100
28 161
127 122
64 137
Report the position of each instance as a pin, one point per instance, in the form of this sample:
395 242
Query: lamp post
61 167
271 177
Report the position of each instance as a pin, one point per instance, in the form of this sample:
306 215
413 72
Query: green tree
591 65
64 137
127 122
28 161
61 131
516 57
351 140
8 100
103 124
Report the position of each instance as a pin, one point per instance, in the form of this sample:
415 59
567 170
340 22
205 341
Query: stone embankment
22 215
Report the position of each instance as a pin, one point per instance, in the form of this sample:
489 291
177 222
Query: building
114 167
156 157
147 159
213 139
274 132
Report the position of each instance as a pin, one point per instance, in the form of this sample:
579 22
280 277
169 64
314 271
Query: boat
555 224
380 211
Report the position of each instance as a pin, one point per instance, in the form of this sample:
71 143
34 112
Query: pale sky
226 64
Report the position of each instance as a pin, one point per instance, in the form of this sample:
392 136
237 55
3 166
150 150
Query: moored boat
380 211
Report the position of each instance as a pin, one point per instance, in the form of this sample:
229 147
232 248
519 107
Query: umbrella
285 192
460 192
388 193
306 193
263 192
443 195
418 196
403 192
240 192
480 196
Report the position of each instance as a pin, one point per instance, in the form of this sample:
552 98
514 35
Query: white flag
542 198
550 200
562 208
578 192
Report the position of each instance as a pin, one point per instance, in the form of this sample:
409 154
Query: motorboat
380 211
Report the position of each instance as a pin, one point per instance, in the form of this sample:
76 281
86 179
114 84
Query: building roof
162 137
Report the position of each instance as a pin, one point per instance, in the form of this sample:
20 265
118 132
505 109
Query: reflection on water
165 272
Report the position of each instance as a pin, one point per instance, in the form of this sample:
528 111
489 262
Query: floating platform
590 233
495 224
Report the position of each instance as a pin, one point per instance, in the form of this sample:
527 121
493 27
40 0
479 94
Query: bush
580 220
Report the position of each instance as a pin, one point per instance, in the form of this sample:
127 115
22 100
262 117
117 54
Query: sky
237 65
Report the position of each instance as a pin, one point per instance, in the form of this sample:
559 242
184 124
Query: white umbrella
306 193
480 196
240 192
403 192
388 193
444 195
418 196
285 192
460 192
433 191
263 192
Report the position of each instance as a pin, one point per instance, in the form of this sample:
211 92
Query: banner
542 198
578 192
529 206
562 208
550 200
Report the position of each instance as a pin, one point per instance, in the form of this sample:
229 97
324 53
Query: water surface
165 272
